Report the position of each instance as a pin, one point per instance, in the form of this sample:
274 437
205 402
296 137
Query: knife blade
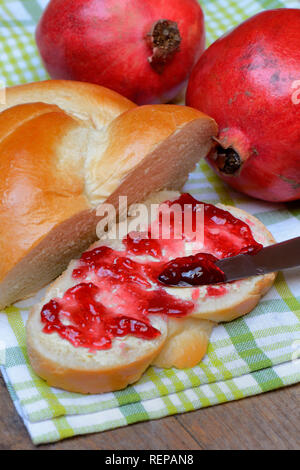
270 259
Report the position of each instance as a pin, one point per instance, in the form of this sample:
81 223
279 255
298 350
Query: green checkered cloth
251 355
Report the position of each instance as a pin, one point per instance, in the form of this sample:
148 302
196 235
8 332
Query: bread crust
95 105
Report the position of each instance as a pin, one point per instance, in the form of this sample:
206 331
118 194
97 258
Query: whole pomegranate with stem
249 82
143 49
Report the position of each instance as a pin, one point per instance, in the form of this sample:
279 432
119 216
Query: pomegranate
143 49
249 82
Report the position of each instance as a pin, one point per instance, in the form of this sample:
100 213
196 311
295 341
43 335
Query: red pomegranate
249 82
143 49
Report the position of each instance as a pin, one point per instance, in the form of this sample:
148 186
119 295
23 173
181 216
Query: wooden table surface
267 421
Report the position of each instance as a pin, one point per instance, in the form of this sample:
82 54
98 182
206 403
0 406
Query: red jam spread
194 270
143 246
93 325
224 234
113 299
116 291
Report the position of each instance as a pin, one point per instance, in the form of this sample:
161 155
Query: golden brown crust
89 381
95 105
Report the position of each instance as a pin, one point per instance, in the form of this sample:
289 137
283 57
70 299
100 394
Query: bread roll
66 147
183 341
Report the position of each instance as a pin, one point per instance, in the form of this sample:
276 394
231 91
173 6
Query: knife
272 258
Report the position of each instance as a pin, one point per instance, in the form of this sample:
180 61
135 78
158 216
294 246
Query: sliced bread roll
66 147
183 341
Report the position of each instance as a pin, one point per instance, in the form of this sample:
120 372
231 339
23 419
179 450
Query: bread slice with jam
107 317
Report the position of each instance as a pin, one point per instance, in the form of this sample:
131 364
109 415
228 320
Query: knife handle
282 255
